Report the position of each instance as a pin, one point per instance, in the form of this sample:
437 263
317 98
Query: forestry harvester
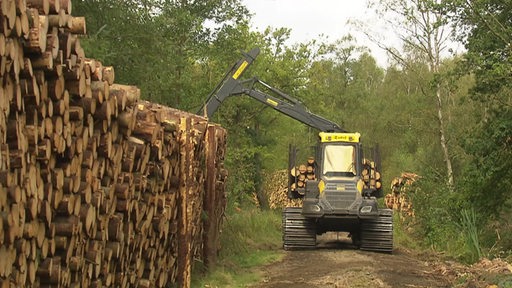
342 195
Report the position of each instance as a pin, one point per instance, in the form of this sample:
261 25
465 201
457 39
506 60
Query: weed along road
336 263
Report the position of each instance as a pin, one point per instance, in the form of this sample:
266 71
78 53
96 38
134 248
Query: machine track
377 233
298 231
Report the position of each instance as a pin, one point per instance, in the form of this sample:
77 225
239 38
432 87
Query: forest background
444 116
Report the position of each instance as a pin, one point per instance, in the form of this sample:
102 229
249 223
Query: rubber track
298 231
377 234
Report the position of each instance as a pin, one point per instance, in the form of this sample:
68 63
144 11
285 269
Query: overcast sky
308 19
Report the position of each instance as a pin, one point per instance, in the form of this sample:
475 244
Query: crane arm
228 84
287 105
231 85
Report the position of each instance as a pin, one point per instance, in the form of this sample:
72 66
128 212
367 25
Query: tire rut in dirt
298 231
377 233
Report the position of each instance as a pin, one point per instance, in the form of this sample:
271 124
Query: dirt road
336 263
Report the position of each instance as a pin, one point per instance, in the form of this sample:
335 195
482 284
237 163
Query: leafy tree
485 27
330 79
424 32
154 44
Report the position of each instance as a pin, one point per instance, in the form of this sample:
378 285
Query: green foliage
437 213
244 170
156 44
485 29
491 148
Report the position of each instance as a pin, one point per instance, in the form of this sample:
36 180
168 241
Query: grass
250 239
402 237
470 234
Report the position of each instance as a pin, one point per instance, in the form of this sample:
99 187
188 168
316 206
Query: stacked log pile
300 175
97 188
276 188
279 184
399 198
372 178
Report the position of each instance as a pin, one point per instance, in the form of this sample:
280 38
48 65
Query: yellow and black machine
342 195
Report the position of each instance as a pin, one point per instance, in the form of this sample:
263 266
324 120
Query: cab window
339 160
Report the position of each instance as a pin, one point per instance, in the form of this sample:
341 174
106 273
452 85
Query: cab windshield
339 161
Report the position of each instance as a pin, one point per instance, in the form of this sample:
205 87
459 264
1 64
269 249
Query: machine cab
342 176
339 156
338 185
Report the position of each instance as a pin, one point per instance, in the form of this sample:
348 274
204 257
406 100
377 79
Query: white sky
307 19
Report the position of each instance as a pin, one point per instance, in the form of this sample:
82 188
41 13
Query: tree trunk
442 140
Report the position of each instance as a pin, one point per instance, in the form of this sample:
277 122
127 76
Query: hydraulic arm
233 86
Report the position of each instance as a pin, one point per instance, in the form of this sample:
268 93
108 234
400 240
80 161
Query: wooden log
54 273
37 33
45 268
108 74
127 119
2 45
45 62
65 44
146 130
79 52
77 87
54 6
42 6
68 226
24 21
66 205
88 217
14 193
31 207
30 229
66 6
126 95
58 20
104 114
8 9
78 26
97 71
100 90
52 45
26 70
80 143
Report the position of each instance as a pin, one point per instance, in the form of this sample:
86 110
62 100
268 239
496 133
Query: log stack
371 176
276 187
399 198
97 188
299 175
